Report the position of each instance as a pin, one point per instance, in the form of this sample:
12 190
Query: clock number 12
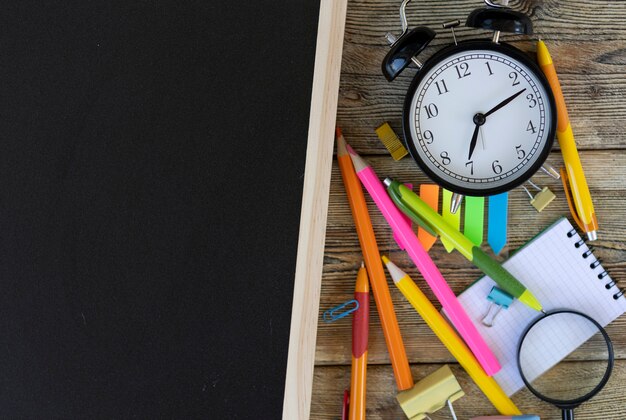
462 70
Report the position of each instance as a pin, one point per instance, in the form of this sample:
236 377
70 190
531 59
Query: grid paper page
554 270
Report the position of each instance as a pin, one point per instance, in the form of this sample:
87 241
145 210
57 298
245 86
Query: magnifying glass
567 381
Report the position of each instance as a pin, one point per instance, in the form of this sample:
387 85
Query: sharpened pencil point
394 271
341 144
358 162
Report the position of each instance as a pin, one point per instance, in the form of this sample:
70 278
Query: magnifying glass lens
568 376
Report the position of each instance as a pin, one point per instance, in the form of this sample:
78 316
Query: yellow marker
582 210
451 340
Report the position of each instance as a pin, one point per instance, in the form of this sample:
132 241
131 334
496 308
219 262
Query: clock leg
455 202
548 169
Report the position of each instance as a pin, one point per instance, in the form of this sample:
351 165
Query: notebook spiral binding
595 264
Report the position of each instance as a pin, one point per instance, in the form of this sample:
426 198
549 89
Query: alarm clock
479 116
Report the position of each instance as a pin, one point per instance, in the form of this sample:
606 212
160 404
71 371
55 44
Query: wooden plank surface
330 382
588 45
300 361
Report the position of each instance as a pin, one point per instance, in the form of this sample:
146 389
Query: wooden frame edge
310 254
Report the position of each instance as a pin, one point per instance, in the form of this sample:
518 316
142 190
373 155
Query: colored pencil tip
394 271
362 264
338 132
341 146
358 162
387 182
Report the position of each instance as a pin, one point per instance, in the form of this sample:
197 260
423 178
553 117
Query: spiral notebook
562 272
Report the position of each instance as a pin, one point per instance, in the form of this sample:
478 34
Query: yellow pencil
582 210
451 340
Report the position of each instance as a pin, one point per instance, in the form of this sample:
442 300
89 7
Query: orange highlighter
378 279
360 333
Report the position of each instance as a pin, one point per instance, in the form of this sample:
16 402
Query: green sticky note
453 220
474 219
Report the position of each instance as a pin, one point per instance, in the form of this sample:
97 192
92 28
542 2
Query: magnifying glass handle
568 414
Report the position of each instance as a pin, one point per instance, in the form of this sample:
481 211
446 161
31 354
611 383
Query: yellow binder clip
431 394
541 200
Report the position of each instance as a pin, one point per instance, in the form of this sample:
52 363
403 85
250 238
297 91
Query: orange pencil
360 333
378 280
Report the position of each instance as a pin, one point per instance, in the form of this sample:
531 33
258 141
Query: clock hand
480 119
482 137
503 103
474 139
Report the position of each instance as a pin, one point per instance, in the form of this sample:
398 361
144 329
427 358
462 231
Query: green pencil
418 211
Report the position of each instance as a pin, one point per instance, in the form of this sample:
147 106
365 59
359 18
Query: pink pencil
425 265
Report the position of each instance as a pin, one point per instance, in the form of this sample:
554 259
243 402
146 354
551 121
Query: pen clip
570 202
397 199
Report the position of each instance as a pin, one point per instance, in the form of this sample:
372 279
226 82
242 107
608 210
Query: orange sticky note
430 194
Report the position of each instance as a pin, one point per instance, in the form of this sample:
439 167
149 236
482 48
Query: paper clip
499 299
334 314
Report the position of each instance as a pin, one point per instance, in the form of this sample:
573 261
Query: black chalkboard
151 162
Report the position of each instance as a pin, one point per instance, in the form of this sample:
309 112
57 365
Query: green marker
421 213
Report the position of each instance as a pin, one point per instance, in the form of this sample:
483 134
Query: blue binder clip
499 299
334 314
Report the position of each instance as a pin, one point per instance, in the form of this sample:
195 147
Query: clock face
480 121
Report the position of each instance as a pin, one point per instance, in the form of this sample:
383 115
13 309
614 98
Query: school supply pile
564 273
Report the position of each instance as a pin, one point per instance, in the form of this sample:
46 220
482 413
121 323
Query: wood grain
587 40
307 282
330 382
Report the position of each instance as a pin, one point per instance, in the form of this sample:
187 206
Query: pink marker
527 417
425 265
406 218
